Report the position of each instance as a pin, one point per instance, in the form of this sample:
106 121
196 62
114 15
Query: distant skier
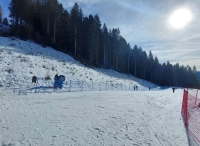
55 86
56 76
173 89
34 79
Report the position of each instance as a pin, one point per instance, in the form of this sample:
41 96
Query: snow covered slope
92 118
21 60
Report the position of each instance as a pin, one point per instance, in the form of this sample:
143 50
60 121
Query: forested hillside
47 23
198 75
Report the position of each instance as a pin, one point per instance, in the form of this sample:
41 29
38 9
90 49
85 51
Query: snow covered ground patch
139 118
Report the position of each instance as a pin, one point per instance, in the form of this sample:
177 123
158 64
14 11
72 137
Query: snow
101 109
138 118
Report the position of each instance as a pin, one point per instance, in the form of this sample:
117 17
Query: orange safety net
191 113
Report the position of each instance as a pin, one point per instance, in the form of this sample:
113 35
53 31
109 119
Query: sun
180 18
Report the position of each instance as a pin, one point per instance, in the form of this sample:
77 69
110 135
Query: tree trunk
75 42
96 56
54 38
104 57
135 68
48 27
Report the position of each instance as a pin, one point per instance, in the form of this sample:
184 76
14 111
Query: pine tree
5 21
1 14
136 57
105 44
93 40
98 33
115 36
19 19
63 32
76 18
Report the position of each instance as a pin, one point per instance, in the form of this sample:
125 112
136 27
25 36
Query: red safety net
191 113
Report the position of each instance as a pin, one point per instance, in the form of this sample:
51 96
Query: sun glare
180 18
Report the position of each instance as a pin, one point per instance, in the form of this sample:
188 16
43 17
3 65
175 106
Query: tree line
47 23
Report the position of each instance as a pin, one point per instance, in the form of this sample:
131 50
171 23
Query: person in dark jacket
173 89
56 76
34 79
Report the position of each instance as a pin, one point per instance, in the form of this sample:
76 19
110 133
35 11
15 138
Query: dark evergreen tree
93 40
1 14
63 33
19 14
105 45
5 21
136 56
76 18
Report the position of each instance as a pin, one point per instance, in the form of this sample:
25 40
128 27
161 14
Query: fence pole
196 96
36 85
69 85
81 85
184 110
99 86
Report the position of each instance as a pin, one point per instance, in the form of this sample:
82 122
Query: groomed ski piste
102 107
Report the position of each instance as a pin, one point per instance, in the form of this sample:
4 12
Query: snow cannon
58 81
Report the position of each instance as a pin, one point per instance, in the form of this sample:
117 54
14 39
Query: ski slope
140 118
101 109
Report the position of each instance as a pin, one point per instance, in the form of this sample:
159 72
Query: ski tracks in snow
90 118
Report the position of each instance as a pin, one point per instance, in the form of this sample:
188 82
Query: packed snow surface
140 118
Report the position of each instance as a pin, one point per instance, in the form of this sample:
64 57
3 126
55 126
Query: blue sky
146 23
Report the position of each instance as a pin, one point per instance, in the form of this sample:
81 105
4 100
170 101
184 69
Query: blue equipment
58 81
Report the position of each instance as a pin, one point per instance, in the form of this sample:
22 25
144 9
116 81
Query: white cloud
70 3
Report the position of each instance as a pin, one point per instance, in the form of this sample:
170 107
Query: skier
34 78
173 89
55 78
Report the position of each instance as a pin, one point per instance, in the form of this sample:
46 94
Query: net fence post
196 97
184 110
100 86
69 85
81 85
